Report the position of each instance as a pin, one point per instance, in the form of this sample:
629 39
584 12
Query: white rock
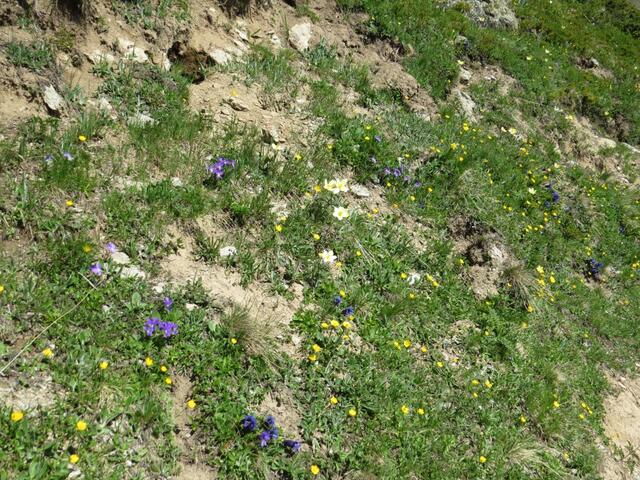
97 57
360 190
190 306
130 51
465 75
243 35
176 182
276 42
120 258
467 104
299 36
166 63
228 251
52 99
141 119
123 45
159 288
132 272
219 56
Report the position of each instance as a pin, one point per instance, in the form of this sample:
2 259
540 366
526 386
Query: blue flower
150 325
67 155
348 311
264 438
270 421
154 323
275 433
217 169
48 159
111 247
249 423
377 138
555 196
96 269
292 445
168 303
337 300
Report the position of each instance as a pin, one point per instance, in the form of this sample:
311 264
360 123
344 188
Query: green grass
486 382
36 56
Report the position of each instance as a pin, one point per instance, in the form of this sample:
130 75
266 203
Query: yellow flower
552 279
168 381
313 357
540 270
352 412
82 138
324 325
358 253
412 296
482 459
404 409
86 248
74 458
439 364
233 341
335 323
530 308
407 343
565 455
47 353
346 325
148 361
333 401
191 404
278 228
17 415
315 469
316 348
420 411
81 425
475 381
488 384
523 419
556 404
316 236
403 275
69 203
317 188
1 288
163 369
424 349
103 365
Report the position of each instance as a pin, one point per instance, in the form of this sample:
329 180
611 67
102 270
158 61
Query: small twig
32 341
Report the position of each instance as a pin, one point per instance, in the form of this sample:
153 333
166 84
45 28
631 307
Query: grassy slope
523 360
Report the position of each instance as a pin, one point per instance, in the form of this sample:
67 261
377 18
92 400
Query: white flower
327 256
413 278
340 213
532 191
228 251
336 185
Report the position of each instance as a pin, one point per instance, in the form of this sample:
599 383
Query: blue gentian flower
292 445
150 325
275 433
270 421
337 300
217 168
48 159
348 311
264 438
249 423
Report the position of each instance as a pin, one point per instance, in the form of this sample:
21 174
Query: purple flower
154 323
417 184
96 269
337 300
270 421
217 168
249 423
275 433
264 438
348 311
48 159
555 195
292 445
377 138
67 155
151 325
168 303
168 328
111 247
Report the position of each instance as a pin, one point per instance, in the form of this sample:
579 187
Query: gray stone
52 99
120 258
176 182
300 35
97 57
132 271
237 104
140 120
360 190
465 75
467 104
219 56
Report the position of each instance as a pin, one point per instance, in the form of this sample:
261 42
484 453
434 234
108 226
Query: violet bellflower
96 269
168 303
218 168
111 247
270 421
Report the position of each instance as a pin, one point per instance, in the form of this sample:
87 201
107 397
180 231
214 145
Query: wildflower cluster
218 168
154 324
269 433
